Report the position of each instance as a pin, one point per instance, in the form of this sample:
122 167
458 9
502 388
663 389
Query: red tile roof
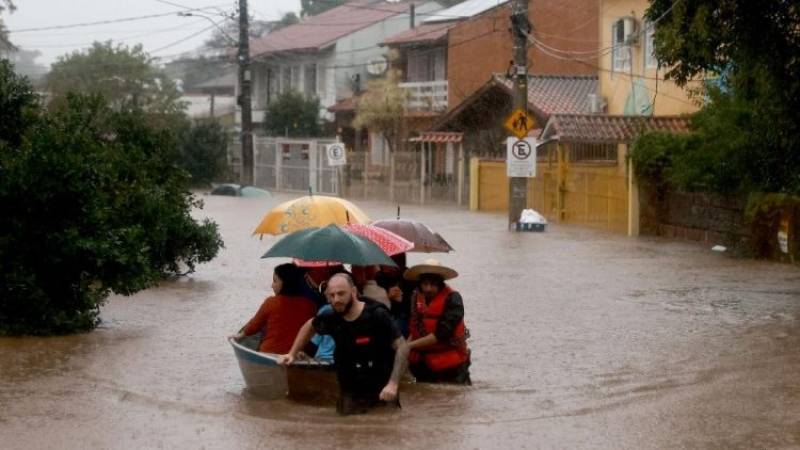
609 129
438 136
423 34
322 30
556 94
345 104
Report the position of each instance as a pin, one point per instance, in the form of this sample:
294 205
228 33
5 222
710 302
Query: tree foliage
314 7
381 108
94 204
5 44
204 150
125 76
293 114
746 133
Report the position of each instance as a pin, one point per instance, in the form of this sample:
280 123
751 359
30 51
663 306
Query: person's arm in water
300 341
389 391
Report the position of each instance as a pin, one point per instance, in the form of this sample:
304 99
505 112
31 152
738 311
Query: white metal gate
290 165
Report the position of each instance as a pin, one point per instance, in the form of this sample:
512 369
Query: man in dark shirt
437 333
371 354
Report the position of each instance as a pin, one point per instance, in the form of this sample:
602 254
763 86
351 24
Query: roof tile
604 128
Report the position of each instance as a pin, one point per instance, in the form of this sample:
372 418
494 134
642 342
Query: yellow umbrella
310 211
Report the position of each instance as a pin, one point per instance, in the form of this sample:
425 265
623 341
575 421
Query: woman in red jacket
280 316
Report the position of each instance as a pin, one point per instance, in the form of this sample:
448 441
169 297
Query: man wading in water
371 355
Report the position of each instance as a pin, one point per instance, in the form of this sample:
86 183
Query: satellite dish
377 66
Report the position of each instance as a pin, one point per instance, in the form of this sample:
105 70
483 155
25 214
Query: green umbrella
329 243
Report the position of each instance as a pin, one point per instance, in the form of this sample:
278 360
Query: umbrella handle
347 215
310 194
398 211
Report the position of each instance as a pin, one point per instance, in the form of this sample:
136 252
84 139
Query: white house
330 55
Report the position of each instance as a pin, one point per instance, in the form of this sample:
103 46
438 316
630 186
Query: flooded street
580 339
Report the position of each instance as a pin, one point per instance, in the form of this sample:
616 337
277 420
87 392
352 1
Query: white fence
290 165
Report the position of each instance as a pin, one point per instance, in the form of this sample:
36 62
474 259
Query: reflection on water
580 340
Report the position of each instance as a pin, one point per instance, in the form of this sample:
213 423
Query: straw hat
429 266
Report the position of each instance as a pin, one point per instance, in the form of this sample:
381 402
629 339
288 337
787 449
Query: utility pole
521 27
245 101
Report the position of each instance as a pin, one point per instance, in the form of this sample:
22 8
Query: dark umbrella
424 239
329 243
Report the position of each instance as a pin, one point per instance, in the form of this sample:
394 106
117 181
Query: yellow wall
587 193
492 186
667 98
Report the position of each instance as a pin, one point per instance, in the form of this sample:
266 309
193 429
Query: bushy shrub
204 152
93 204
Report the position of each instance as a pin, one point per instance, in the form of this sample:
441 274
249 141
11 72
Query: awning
438 136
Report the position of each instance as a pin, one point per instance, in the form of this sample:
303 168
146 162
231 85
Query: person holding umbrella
371 355
437 334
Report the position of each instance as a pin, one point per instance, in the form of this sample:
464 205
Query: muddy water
580 339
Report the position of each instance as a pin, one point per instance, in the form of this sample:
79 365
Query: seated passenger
324 343
280 316
438 336
364 278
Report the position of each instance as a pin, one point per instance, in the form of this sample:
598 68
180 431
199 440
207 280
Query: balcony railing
426 95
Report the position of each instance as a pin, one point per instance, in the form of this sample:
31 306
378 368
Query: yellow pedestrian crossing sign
519 123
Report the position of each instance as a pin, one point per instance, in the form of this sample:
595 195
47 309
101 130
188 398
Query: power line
102 22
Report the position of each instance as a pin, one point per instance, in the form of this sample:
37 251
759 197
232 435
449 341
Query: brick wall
709 218
483 45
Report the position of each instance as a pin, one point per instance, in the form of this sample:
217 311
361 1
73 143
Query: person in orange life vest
281 315
437 334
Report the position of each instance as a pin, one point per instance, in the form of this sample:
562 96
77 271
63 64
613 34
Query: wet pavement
581 339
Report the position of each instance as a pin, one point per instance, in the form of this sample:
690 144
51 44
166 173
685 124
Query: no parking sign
337 156
521 157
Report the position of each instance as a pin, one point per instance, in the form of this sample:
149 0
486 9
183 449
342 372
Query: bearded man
371 354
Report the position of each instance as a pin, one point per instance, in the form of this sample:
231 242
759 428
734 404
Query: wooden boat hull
308 380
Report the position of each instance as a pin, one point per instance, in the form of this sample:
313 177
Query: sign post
337 158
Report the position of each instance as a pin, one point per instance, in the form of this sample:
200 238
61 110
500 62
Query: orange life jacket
441 355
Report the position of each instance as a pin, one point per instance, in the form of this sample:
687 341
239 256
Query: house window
650 61
379 150
286 79
272 85
620 52
295 84
310 75
590 152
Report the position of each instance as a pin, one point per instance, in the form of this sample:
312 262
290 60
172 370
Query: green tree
747 131
381 109
293 114
5 44
95 205
204 151
314 7
124 76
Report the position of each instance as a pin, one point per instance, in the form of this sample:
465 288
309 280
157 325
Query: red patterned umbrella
389 242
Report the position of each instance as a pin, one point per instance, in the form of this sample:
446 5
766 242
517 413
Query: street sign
520 157
519 123
337 156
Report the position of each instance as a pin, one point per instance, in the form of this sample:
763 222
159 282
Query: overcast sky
164 37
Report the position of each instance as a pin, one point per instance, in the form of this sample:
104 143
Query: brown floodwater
580 339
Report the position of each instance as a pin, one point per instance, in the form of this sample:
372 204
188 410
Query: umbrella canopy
423 238
307 212
330 243
389 243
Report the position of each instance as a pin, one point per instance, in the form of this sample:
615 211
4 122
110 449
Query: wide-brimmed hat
429 266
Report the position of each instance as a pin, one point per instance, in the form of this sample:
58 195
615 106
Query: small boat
305 380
